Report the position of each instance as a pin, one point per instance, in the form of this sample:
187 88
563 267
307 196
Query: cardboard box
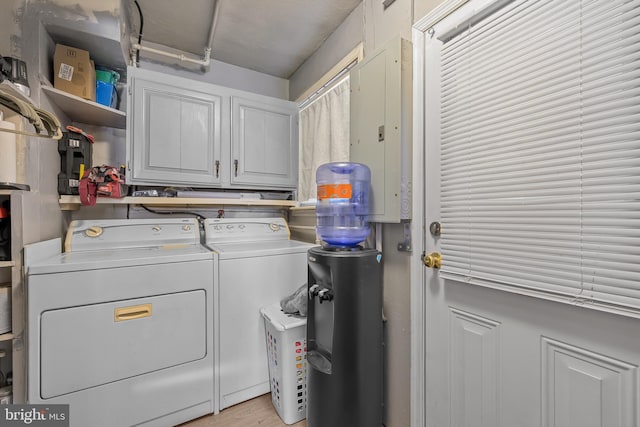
74 72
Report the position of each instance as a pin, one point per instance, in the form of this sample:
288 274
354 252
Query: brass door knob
433 260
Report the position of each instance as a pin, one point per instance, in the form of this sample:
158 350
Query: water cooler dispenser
344 319
344 338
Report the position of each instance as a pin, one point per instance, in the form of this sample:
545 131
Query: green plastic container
105 87
107 76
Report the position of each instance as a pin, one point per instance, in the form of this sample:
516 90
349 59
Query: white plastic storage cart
287 355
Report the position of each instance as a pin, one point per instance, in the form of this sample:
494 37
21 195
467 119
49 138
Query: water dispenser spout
325 295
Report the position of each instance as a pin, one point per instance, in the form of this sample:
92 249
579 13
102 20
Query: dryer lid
119 258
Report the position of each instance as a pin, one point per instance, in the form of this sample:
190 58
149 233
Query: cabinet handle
235 165
217 168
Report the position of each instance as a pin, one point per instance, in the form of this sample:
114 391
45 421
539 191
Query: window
538 106
324 124
324 135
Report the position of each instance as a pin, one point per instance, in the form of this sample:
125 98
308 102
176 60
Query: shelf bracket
405 245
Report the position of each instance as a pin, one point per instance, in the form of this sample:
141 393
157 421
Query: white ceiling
270 36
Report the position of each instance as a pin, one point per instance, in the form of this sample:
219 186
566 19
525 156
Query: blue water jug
343 203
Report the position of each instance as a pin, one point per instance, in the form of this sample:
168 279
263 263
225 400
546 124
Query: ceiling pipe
212 29
205 61
180 56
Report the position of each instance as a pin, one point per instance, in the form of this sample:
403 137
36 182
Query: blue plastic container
105 94
106 87
343 203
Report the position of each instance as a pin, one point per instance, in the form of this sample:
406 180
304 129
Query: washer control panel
223 230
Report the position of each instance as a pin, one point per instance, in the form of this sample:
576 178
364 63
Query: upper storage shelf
101 41
83 111
103 44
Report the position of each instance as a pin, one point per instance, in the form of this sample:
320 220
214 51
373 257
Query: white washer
258 265
119 326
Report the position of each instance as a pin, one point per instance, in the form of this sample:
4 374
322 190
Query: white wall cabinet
175 132
264 142
186 132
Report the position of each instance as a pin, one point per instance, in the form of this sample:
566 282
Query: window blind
540 151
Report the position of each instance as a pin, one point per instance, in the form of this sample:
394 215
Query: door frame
420 33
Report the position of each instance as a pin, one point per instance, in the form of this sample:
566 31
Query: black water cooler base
345 339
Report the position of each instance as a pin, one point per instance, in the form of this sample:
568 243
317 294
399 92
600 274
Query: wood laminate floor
255 412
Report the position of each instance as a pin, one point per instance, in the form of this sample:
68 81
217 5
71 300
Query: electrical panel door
380 129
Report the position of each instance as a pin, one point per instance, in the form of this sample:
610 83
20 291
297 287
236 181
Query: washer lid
264 248
116 258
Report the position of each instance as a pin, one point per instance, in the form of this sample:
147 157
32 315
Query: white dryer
257 265
120 324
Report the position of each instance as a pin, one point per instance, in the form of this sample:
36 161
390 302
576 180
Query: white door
488 357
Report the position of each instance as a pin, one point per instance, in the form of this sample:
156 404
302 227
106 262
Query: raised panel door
494 358
175 134
264 143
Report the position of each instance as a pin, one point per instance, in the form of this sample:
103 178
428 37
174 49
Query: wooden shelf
7 263
73 202
302 227
6 337
304 208
83 111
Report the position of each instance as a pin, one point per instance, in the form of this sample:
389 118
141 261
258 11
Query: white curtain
539 118
324 136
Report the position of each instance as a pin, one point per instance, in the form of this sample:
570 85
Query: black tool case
75 150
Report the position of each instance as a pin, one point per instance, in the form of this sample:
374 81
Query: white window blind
540 151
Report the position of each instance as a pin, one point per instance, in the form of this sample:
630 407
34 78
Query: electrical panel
380 127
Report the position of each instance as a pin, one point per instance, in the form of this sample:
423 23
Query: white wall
370 24
219 73
383 24
223 74
422 7
10 34
373 26
338 44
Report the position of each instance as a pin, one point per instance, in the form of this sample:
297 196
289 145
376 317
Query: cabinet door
175 135
264 143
